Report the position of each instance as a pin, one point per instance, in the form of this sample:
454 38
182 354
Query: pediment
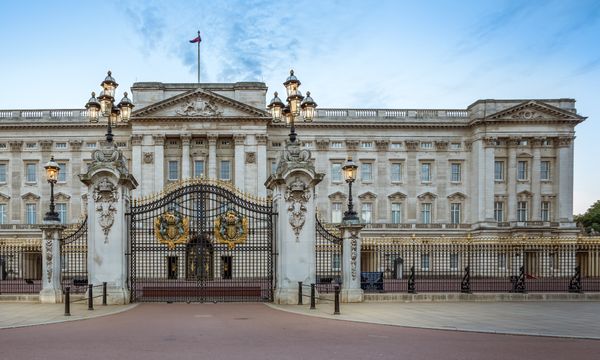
397 196
30 196
199 103
4 197
62 196
535 110
427 196
524 194
457 196
367 196
338 195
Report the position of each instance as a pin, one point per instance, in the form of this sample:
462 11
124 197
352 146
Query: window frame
364 164
499 170
452 172
221 168
455 213
170 170
522 170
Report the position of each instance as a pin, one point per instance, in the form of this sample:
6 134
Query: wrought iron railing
73 257
20 266
328 257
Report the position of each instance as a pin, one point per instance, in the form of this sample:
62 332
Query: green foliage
591 219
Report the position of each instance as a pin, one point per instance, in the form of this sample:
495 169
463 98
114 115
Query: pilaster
212 156
351 290
240 160
136 159
536 185
261 164
511 178
185 156
51 292
159 160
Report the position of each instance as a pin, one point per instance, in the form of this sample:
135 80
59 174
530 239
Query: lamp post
296 105
105 106
52 170
349 170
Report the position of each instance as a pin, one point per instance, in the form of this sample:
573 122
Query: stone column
109 189
293 186
185 156
239 168
536 184
489 160
17 175
262 168
76 163
159 160
51 292
511 180
212 156
351 290
565 179
136 159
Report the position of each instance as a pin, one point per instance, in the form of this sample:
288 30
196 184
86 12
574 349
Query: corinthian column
239 170
212 156
185 156
159 160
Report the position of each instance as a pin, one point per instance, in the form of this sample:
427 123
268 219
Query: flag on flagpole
197 39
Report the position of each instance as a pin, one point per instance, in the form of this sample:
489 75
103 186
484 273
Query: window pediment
397 196
367 196
524 195
427 196
338 195
4 197
62 196
457 196
30 196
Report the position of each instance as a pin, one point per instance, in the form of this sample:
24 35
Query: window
396 145
366 172
454 261
366 145
425 172
522 211
30 173
3 214
425 262
426 213
61 209
545 211
426 145
273 167
307 144
30 214
173 170
31 145
225 142
455 176
396 213
502 261
336 172
62 174
91 145
336 262
225 173
545 170
367 212
454 146
396 174
276 144
336 212
61 145
499 170
336 144
2 145
499 211
198 168
523 143
522 170
198 142
455 213
2 173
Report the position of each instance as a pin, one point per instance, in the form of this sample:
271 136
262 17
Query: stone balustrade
393 113
74 115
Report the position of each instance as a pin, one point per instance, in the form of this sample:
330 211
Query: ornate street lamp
349 170
52 170
296 105
105 106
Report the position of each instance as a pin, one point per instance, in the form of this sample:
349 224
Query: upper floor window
455 176
2 145
3 173
31 172
425 172
3 214
198 168
426 145
522 211
396 172
396 145
522 170
225 173
366 145
455 146
499 211
273 167
336 212
336 172
499 170
396 213
455 213
173 170
545 170
523 143
545 211
366 212
31 213
366 171
61 209
91 145
336 145
62 174
31 145
276 144
426 213
61 145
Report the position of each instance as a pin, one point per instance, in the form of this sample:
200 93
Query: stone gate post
351 290
293 185
109 187
51 292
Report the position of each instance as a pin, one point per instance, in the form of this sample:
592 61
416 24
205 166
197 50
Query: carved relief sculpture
48 245
250 157
297 195
105 197
197 107
148 158
353 254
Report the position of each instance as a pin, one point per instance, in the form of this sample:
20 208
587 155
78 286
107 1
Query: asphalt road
256 331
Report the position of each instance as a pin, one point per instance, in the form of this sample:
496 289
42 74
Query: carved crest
171 228
198 107
105 196
231 228
297 195
148 158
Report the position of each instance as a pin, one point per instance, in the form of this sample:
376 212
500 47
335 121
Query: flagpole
199 56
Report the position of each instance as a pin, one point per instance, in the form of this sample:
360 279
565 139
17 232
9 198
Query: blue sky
386 54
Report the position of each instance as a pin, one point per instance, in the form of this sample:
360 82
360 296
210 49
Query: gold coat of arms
231 228
172 228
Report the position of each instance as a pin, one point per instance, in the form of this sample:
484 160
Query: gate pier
51 292
351 290
109 186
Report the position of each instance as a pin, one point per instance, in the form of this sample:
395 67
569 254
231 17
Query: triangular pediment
427 196
30 196
4 197
367 196
457 196
199 103
338 195
535 110
397 196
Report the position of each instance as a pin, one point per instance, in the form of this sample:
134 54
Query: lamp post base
51 217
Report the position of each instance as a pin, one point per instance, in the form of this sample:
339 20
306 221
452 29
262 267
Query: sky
357 54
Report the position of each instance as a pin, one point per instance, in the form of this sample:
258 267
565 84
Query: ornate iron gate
73 257
201 240
328 257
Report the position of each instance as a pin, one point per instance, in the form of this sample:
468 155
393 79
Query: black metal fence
73 258
406 265
20 267
328 258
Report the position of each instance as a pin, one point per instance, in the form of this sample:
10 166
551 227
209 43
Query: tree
591 219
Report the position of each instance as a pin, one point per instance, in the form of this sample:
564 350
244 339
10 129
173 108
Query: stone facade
498 167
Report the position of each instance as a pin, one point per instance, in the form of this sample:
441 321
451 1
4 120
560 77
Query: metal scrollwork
231 228
465 285
172 228
411 281
297 194
48 245
575 282
519 281
106 196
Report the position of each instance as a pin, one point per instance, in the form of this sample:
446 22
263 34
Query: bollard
104 293
299 292
68 301
312 297
90 297
336 307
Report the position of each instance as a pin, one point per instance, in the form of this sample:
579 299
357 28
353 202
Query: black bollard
90 297
104 293
68 301
336 304
312 297
299 292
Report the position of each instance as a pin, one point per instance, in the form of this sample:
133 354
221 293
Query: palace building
494 168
